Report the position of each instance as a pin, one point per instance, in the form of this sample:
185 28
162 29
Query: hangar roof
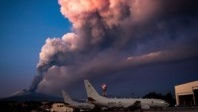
186 87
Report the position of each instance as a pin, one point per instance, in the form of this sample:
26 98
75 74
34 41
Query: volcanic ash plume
56 51
105 32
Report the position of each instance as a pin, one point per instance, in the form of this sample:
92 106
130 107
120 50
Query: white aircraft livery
74 104
121 103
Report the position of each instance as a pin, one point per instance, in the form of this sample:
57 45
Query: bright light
104 86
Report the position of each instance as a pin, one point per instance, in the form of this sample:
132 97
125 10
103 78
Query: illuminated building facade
187 94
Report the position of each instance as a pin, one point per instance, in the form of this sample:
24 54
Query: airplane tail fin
67 98
91 92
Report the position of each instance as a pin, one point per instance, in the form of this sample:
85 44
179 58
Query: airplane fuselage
127 102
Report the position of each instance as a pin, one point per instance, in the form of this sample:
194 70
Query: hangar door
195 91
186 100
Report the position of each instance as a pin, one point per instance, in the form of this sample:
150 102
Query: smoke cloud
109 36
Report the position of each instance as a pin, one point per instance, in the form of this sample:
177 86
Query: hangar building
187 94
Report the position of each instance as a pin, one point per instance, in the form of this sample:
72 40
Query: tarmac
171 109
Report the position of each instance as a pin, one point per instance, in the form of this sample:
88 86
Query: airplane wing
138 105
134 106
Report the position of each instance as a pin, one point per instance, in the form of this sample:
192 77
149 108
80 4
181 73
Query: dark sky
133 46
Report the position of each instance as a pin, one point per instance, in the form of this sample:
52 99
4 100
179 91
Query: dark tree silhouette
169 98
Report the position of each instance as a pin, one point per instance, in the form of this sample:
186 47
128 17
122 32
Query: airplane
75 104
122 103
